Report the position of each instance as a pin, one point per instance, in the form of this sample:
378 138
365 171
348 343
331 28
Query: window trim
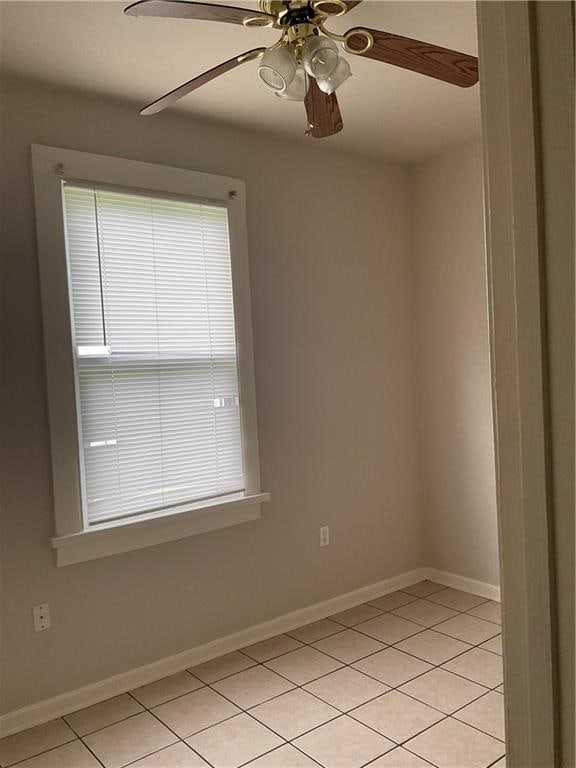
73 541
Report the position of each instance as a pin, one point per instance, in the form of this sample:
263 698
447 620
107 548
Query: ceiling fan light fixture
336 78
277 68
304 64
319 56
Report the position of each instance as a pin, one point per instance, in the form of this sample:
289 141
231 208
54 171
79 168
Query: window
155 351
158 440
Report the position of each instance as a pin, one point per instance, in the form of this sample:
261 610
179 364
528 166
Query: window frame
74 541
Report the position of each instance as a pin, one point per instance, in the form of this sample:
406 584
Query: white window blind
155 351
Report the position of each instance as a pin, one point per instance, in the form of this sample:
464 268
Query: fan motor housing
289 12
275 7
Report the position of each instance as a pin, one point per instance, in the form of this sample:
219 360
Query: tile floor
409 680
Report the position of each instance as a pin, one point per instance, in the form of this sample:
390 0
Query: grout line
421 758
490 687
172 698
101 728
77 737
243 712
471 724
200 730
92 753
341 628
157 752
178 738
424 629
301 751
43 752
425 761
80 739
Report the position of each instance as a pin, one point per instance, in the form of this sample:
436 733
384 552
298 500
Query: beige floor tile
269 649
71 755
500 764
346 688
349 646
393 600
167 688
234 742
468 628
396 716
456 599
304 665
223 666
477 665
424 612
309 633
129 740
490 611
190 713
286 756
294 713
451 744
494 645
400 758
389 628
423 588
443 690
33 741
177 756
500 689
392 667
433 647
356 615
253 686
343 743
486 714
105 713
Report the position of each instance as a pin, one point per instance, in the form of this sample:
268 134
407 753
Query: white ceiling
388 112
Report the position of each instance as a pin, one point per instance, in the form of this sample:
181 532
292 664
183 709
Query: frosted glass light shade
341 73
319 56
277 68
296 91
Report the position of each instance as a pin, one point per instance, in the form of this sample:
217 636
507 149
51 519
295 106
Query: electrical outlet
41 615
324 536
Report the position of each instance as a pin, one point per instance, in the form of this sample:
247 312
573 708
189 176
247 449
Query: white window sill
123 536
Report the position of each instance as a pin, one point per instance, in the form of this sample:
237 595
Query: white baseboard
46 710
480 588
42 711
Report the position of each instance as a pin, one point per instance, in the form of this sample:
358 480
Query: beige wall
455 436
333 298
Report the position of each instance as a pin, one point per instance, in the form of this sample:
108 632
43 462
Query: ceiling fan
304 64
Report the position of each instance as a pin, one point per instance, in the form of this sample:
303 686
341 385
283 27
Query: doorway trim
507 33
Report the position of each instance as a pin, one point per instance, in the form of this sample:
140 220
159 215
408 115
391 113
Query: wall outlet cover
41 614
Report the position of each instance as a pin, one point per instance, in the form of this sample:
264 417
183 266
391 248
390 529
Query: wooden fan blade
425 58
186 9
335 8
196 82
323 112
